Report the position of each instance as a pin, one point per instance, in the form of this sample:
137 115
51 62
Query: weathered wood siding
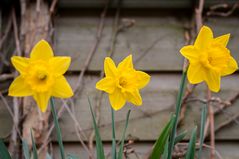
154 41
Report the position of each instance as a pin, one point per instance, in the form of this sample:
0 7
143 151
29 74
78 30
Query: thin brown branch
6 32
53 6
213 10
4 77
212 129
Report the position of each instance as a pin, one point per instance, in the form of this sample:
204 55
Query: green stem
114 155
178 109
58 130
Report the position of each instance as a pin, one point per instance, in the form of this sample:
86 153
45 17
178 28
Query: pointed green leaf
165 151
99 145
34 148
113 151
192 145
178 109
120 153
25 148
161 141
57 127
3 151
180 137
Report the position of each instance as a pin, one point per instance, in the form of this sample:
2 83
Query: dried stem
211 119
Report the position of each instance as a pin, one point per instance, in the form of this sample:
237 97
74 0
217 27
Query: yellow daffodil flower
122 83
209 59
41 75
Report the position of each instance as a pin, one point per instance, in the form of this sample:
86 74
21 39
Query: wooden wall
154 41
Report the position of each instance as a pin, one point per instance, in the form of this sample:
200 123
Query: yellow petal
204 38
19 88
142 79
232 67
117 99
42 100
190 53
134 97
195 73
41 51
109 67
126 63
213 80
20 63
106 84
61 88
60 64
223 40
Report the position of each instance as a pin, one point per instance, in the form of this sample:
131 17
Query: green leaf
34 148
99 145
58 130
120 153
202 127
158 148
178 109
4 154
114 155
71 156
165 151
25 148
191 147
180 137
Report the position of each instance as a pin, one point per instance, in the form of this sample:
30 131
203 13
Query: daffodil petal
19 88
61 88
20 63
42 100
204 38
232 67
109 67
195 73
223 40
213 80
126 63
190 53
41 51
117 99
134 97
107 84
60 64
142 79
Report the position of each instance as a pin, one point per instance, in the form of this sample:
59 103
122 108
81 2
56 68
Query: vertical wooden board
225 25
75 36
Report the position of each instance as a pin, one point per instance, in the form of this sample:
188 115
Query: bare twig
213 12
13 146
53 6
211 119
4 77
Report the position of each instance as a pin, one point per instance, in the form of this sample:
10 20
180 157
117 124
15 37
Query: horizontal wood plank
138 3
75 36
227 150
154 41
147 120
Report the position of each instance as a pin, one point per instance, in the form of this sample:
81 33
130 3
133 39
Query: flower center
122 82
42 76
39 76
